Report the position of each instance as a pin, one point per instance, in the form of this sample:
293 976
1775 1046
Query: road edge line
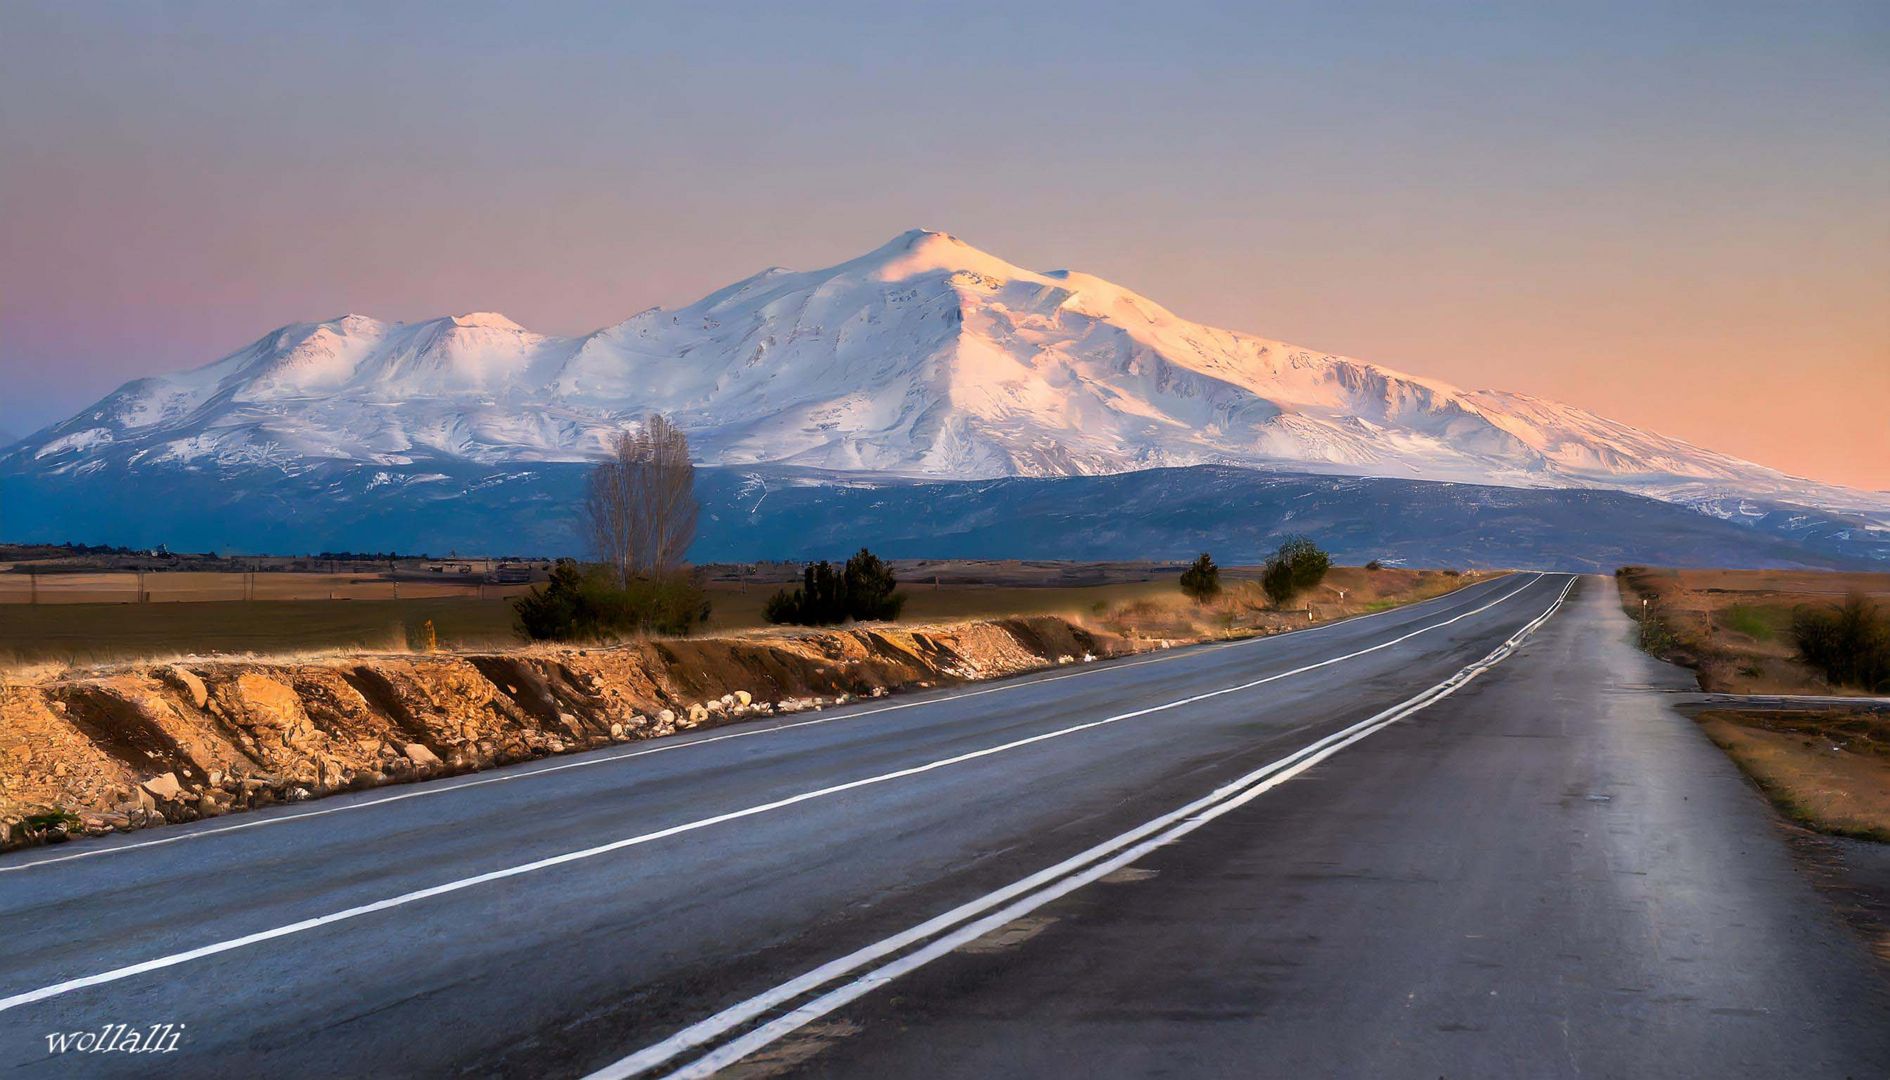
1050 883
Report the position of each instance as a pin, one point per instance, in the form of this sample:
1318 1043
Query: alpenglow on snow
923 358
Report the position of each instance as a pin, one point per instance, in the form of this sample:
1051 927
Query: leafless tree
641 505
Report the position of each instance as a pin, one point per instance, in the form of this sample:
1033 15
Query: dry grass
1242 610
99 633
1828 770
56 636
1734 626
735 609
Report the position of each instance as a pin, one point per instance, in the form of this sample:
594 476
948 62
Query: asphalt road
1366 849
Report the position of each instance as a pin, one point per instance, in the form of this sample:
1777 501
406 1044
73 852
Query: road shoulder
1552 874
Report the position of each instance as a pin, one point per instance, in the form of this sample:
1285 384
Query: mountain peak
924 251
488 319
913 239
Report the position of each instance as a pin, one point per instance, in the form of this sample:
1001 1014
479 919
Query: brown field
1734 626
1828 770
292 612
99 633
120 587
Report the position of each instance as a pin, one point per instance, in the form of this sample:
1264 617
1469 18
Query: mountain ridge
923 358
785 512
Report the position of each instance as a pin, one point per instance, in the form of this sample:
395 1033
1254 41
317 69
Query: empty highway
1467 838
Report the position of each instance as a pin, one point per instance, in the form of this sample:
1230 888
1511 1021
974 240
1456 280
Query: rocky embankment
140 745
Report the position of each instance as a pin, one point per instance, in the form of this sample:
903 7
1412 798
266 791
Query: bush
670 604
1308 562
1298 565
1849 643
863 589
1202 580
1277 581
869 585
587 604
1374 565
1655 637
816 603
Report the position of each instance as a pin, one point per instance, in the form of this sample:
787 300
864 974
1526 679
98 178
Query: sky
1676 215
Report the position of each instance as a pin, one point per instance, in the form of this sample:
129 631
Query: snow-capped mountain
923 358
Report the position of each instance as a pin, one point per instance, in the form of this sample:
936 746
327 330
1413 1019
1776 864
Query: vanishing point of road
1465 838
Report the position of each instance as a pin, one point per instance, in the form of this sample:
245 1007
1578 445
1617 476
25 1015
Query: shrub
587 604
668 604
869 585
862 589
556 610
1201 581
1298 565
1849 643
816 603
1374 565
1308 562
1654 636
1277 581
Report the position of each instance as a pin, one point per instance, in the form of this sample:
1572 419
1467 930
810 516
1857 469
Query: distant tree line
42 550
364 556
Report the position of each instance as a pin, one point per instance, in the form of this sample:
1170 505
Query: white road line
174 959
1035 891
443 787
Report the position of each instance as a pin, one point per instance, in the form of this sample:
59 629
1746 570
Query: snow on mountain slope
925 357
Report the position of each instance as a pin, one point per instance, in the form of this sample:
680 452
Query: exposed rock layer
141 745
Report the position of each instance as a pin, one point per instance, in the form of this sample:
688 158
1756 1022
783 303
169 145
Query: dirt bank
137 745
93 750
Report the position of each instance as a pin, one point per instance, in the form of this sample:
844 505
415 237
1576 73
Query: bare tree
641 506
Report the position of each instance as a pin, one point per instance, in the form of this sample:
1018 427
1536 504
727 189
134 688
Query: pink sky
1679 222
